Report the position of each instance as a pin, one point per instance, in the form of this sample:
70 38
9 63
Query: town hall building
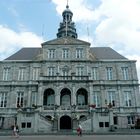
67 82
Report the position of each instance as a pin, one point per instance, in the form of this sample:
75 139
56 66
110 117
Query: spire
67 4
67 27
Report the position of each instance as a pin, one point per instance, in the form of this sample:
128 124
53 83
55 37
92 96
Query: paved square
74 137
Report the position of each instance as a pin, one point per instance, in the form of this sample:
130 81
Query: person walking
79 130
15 131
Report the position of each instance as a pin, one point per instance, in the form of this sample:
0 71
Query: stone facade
67 82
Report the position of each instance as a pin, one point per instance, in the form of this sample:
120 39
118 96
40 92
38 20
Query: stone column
93 120
36 124
57 97
29 97
19 115
73 98
91 94
39 95
111 124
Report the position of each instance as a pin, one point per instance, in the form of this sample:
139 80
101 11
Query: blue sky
111 23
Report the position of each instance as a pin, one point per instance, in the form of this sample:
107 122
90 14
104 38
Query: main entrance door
65 122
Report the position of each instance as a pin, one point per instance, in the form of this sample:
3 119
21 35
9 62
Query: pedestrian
15 131
79 130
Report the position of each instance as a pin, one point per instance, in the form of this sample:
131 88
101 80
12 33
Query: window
51 53
109 73
65 53
6 71
28 124
81 99
79 53
94 73
115 119
125 73
3 99
127 98
50 99
21 74
106 124
33 98
51 71
23 124
20 96
35 73
1 122
65 75
111 98
79 71
131 120
101 124
65 100
96 98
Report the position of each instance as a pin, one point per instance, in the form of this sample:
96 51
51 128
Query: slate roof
106 53
25 54
99 53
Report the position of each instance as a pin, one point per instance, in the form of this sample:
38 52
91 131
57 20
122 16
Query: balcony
64 78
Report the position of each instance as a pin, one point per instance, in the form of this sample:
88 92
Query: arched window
65 97
49 98
82 97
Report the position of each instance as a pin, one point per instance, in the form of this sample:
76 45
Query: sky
103 23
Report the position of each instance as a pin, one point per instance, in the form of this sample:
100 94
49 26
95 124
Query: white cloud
121 26
81 10
117 24
11 41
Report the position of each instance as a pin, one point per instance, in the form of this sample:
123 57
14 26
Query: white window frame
36 71
97 98
125 73
111 97
51 71
80 71
127 98
131 120
20 99
65 53
109 73
51 53
79 52
33 98
3 99
6 72
94 73
21 73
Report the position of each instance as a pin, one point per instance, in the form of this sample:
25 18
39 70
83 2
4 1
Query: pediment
66 41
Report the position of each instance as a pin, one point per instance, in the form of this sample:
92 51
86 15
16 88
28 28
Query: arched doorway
65 122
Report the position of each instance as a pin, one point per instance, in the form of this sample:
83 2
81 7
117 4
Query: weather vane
67 4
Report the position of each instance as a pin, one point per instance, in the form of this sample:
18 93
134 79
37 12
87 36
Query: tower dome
67 27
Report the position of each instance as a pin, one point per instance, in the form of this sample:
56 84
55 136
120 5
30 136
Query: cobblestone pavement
74 137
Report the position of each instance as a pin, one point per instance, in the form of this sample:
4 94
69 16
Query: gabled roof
106 53
66 41
25 54
100 53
